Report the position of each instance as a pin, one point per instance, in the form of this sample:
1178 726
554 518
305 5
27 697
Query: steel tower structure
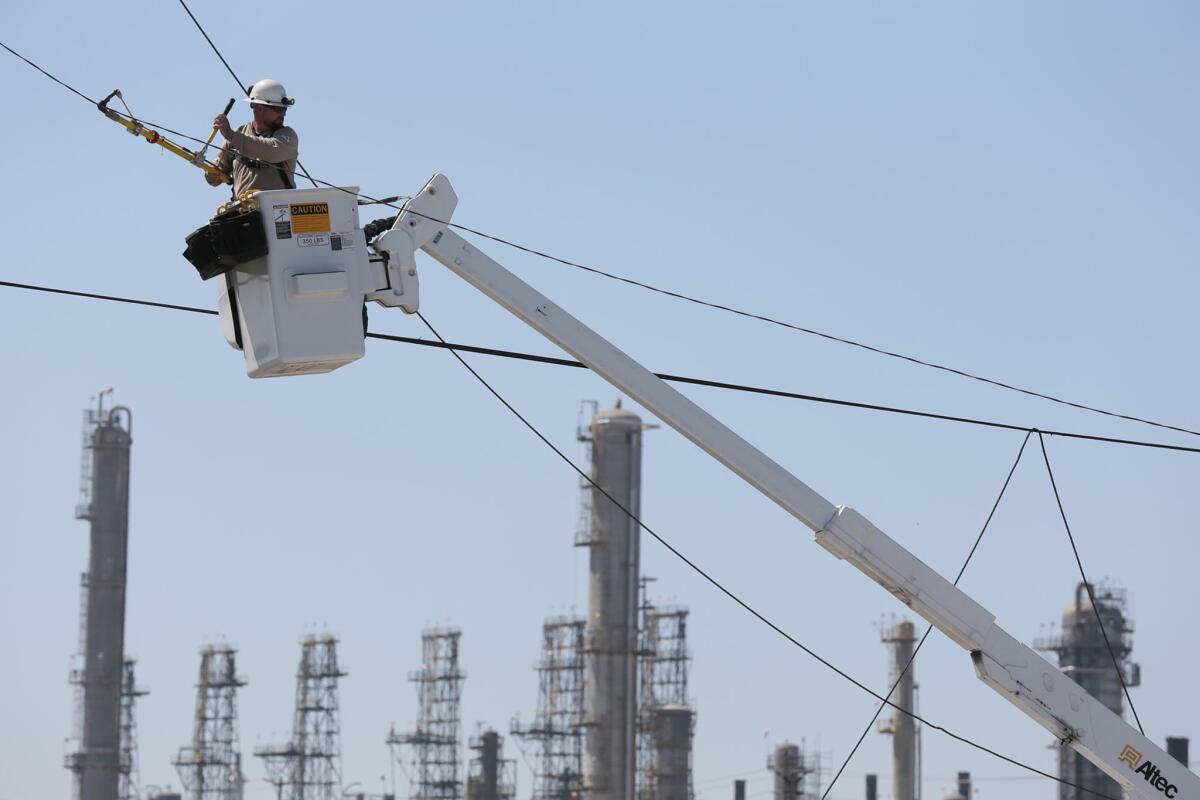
490 776
665 718
613 541
210 768
435 741
130 784
1084 656
98 673
308 767
901 726
557 728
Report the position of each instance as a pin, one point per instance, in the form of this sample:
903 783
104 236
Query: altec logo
1148 771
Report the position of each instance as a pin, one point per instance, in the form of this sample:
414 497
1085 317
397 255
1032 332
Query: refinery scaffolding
129 787
557 727
665 719
210 768
434 744
490 776
308 767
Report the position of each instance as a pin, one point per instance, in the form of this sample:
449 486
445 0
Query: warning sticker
310 217
313 241
341 241
282 215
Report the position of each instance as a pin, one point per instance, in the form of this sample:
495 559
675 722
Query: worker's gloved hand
221 123
213 178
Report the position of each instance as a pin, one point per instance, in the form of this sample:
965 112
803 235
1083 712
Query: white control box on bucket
299 309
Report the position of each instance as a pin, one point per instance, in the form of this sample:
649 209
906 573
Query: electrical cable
1088 584
810 331
47 74
728 592
929 629
666 376
677 295
241 86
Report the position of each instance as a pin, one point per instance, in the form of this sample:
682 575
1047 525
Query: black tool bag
229 239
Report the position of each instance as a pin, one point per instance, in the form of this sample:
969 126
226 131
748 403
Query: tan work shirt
253 158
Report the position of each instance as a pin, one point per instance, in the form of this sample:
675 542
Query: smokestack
964 785
871 788
739 790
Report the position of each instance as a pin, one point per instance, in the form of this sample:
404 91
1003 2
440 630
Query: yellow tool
154 137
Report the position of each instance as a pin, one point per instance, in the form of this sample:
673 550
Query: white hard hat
269 92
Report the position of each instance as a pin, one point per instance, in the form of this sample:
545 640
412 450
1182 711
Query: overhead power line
668 292
666 376
241 86
829 336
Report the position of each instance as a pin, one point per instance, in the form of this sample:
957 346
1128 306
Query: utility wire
666 292
928 629
729 593
47 74
1091 596
666 376
241 86
829 336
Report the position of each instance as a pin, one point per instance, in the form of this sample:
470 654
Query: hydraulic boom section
1012 669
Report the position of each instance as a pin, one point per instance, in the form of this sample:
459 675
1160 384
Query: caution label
310 218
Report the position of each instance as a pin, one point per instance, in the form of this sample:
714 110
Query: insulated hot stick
199 160
154 137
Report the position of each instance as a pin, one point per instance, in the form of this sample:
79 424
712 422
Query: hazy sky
1010 189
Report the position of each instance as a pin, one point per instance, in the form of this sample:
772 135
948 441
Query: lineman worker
263 152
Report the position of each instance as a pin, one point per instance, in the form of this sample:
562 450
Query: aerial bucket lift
298 310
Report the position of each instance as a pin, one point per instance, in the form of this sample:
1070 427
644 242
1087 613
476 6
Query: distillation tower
435 741
210 768
1084 655
490 776
308 767
794 773
98 673
557 727
666 720
901 726
613 542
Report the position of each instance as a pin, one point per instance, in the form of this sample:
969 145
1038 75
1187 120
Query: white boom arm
1014 670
